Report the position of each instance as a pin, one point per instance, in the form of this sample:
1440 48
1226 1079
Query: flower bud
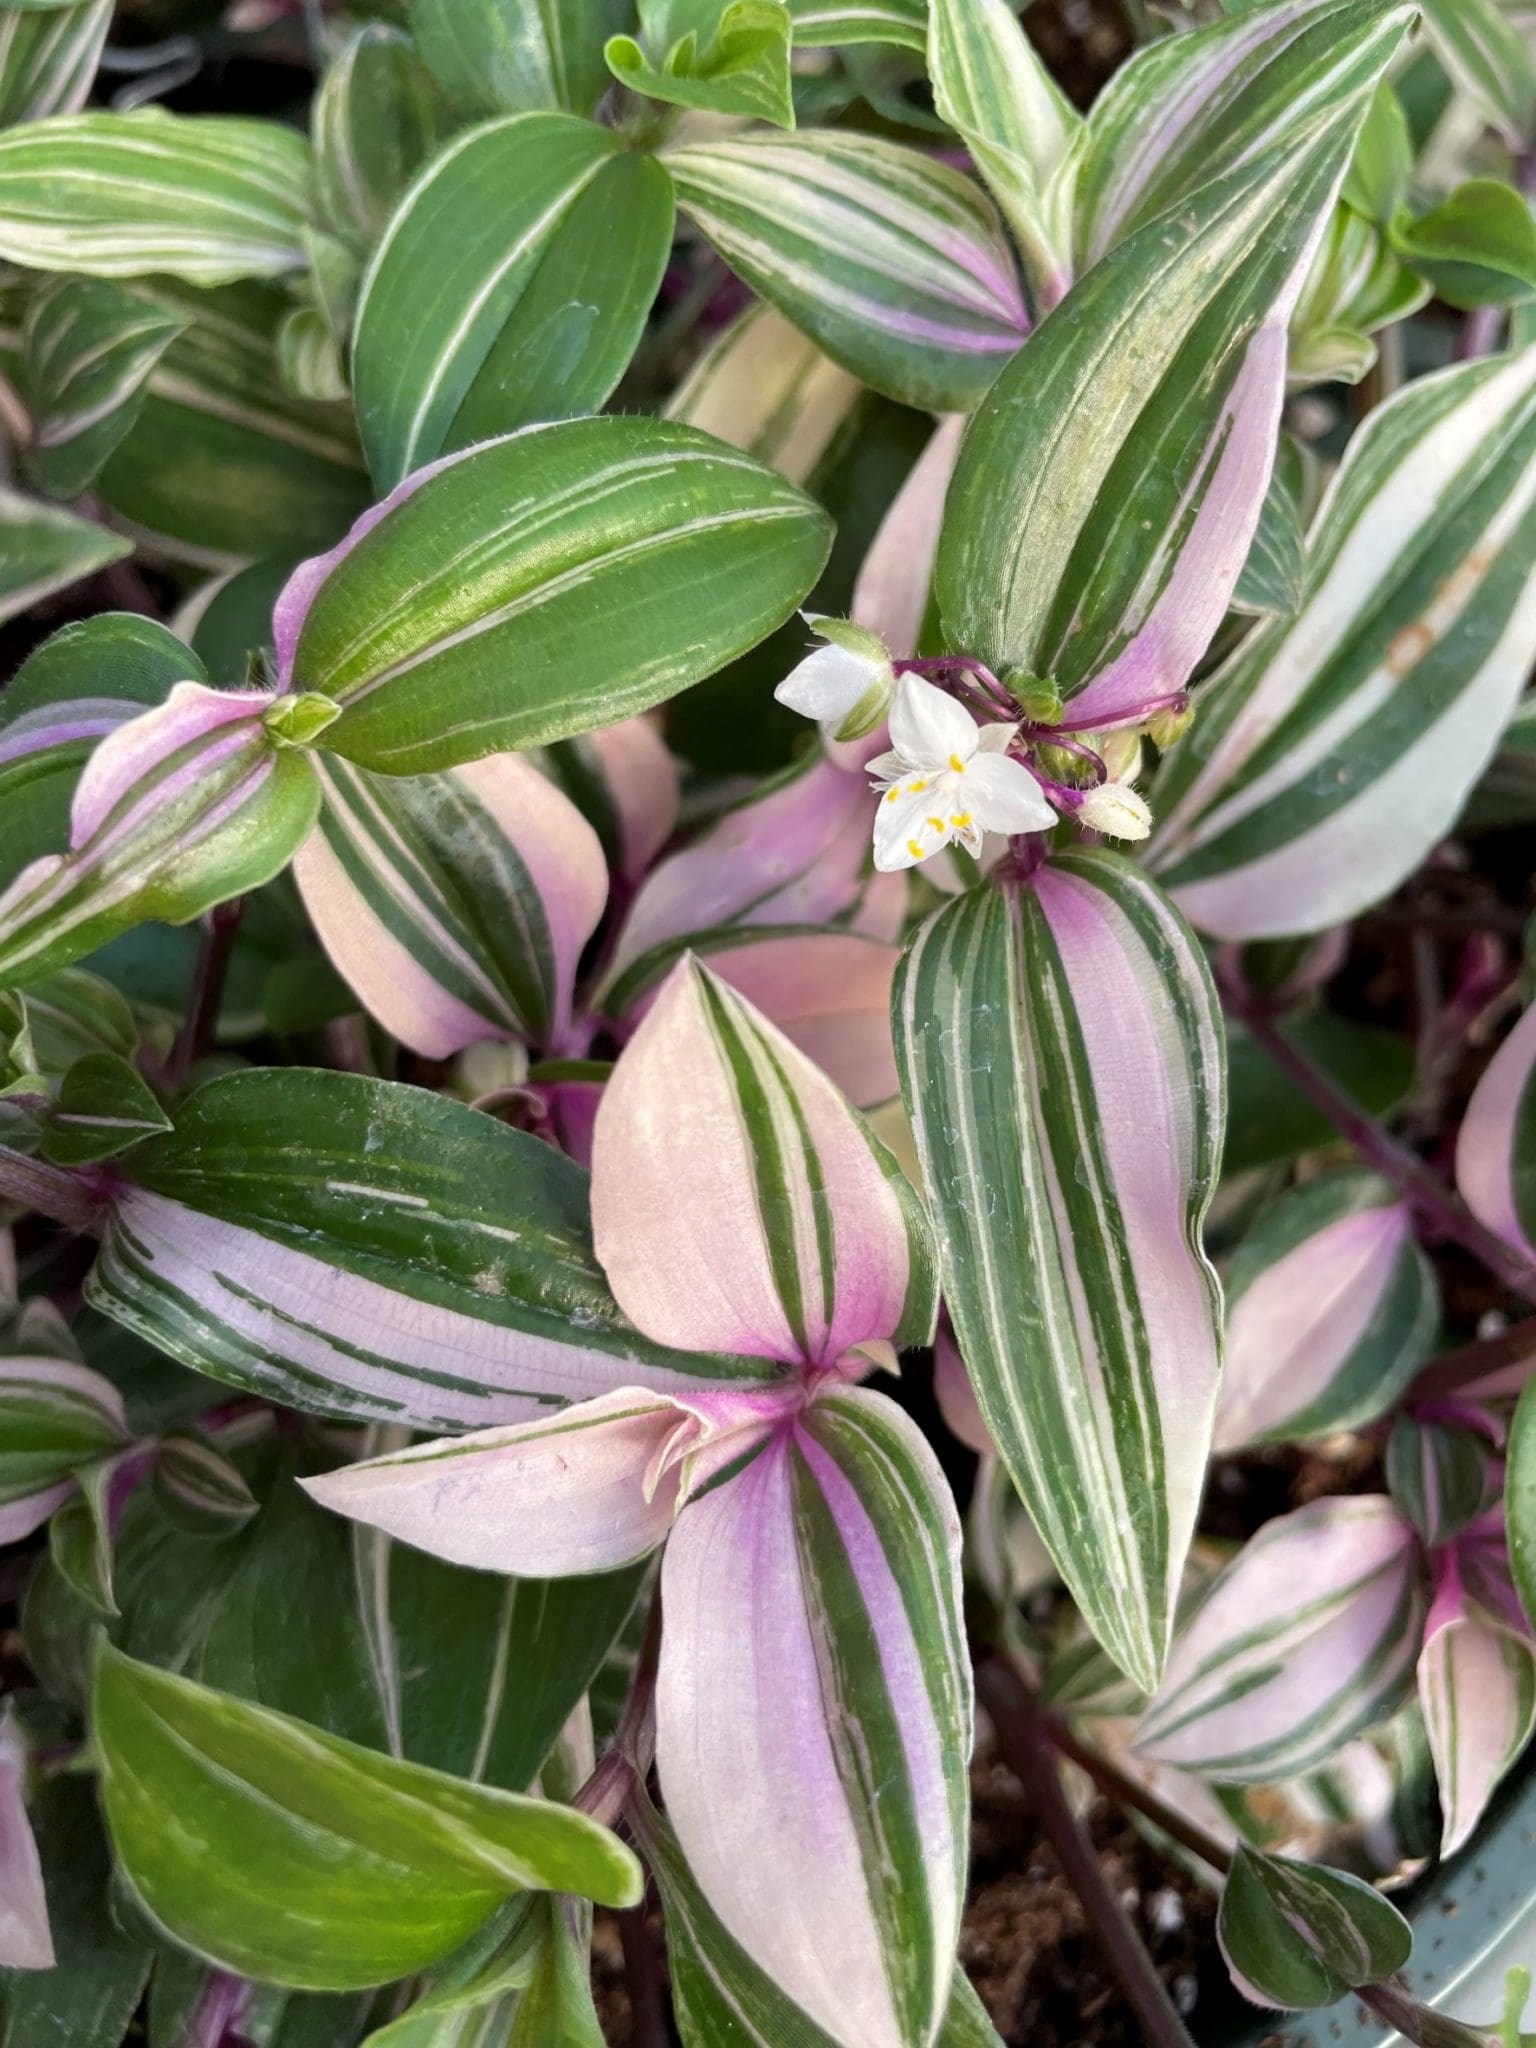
1121 753
846 685
1164 727
1116 810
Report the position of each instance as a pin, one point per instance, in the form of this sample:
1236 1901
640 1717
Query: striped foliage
375 119
1443 1475
26 1941
1336 747
55 1416
767 389
363 1249
1477 1689
559 579
48 58
814 1717
823 23
511 285
1496 1145
893 264
1190 107
1331 1309
456 905
1520 1499
43 549
176 810
1062 1060
1308 1637
202 197
993 90
1299 1935
1271 582
88 349
511 56
1110 483
223 463
1485 51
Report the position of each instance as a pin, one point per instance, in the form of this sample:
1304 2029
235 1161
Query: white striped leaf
1308 1637
1061 1056
1337 746
104 1107
1300 1935
1477 1689
55 1416
363 1249
375 119
1442 1474
26 1942
43 549
1271 582
203 197
990 87
1496 1145
719 1994
177 810
1110 483
1485 51
88 349
285 1853
1331 1309
728 59
814 1717
893 264
223 463
200 1487
456 905
766 388
559 579
820 24
511 285
1190 107
48 58
510 56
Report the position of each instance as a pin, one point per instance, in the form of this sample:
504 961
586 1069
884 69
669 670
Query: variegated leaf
375 118
820 24
363 1249
1191 107
1496 1145
1308 1637
1444 1473
616 561
44 549
896 575
48 58
26 1942
456 905
771 1222
1069 1196
766 388
1337 746
1477 1689
626 785
55 1416
1299 1935
814 1717
88 349
1331 1309
202 197
177 810
990 87
506 56
104 1108
1489 59
1110 484
893 264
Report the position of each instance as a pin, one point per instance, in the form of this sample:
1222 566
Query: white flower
846 685
1115 808
947 780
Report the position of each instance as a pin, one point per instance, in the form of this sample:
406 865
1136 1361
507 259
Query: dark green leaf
1299 1935
105 1106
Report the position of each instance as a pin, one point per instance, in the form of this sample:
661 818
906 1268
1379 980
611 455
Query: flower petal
738 1200
814 1717
928 726
828 684
1002 796
912 823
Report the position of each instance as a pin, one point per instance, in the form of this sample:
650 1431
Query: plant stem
626 1763
1434 1201
201 1020
1025 1745
1453 1370
1126 1791
50 1190
645 1974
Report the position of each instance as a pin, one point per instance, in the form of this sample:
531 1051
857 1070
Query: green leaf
376 119
44 549
70 1014
202 197
893 264
511 286
515 56
88 348
1299 1935
1520 1499
1442 1476
287 1854
48 58
820 24
200 1488
55 1416
1489 60
224 463
615 562
1477 248
1086 1312
105 1107
110 655
1272 578
326 1240
1270 1121
740 67
1376 183
80 1538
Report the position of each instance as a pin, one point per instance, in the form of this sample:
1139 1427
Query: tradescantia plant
734 735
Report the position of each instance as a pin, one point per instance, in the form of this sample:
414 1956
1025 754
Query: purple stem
66 1198
1433 1201
201 1020
1453 1369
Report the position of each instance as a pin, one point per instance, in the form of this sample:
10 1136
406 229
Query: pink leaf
25 1940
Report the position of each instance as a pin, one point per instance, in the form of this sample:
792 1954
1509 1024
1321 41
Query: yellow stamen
914 849
891 795
961 818
937 824
957 764
914 787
